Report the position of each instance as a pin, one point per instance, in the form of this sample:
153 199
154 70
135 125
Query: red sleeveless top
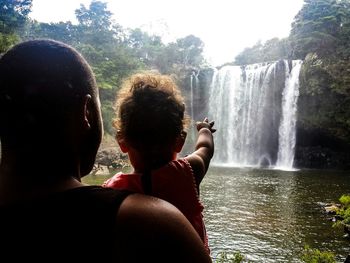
174 183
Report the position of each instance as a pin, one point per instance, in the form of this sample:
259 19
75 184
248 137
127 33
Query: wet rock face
318 150
317 157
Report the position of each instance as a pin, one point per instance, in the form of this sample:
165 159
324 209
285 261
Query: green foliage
344 211
62 31
320 106
310 255
346 216
13 16
345 200
114 53
149 49
96 16
271 50
189 50
322 27
108 115
7 40
319 27
320 35
224 257
97 27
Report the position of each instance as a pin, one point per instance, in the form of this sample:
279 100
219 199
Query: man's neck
21 179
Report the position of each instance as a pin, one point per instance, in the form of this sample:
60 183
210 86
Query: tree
190 50
322 27
320 35
272 50
148 48
318 27
62 31
96 16
97 25
115 53
13 16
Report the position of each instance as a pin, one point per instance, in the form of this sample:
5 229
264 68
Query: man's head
49 99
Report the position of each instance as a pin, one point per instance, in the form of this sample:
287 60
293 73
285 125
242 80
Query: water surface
269 215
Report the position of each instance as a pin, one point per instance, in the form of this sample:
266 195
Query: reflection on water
269 215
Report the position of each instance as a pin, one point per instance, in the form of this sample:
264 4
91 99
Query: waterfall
193 86
287 127
246 104
191 101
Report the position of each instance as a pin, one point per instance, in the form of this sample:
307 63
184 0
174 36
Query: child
150 127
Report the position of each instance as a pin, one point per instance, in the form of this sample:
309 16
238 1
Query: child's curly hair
150 111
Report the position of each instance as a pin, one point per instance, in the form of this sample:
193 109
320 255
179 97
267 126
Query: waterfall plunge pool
269 215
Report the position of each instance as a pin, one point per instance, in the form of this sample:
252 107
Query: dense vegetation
320 36
13 16
225 257
113 51
343 213
310 255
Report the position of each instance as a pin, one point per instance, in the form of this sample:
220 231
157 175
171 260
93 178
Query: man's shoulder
147 223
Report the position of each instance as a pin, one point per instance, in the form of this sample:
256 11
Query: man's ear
86 113
180 141
122 144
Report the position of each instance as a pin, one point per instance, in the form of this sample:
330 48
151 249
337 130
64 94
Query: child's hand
205 124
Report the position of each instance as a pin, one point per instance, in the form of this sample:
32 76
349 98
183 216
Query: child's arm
204 150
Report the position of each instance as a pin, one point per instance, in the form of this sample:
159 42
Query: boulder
107 157
331 209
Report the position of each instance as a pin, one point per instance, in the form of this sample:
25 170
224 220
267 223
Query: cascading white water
193 85
222 98
287 135
246 103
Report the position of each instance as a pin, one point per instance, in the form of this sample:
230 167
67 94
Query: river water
269 215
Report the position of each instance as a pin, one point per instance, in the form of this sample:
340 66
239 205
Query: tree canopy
13 16
271 50
320 36
113 51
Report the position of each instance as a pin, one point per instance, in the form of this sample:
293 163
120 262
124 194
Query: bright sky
225 26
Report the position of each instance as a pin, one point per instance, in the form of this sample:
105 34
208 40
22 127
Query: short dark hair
44 78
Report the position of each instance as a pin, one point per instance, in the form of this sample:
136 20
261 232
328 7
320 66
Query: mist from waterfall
246 104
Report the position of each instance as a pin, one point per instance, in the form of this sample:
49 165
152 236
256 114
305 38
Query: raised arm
204 150
153 230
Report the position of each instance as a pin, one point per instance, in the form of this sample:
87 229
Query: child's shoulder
119 178
181 163
176 167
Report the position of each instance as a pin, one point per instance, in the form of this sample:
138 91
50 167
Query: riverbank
109 157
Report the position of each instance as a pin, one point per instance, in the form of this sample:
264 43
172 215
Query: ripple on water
269 215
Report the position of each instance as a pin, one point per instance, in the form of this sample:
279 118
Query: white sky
225 26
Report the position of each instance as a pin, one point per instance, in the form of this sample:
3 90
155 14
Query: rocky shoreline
109 158
331 210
